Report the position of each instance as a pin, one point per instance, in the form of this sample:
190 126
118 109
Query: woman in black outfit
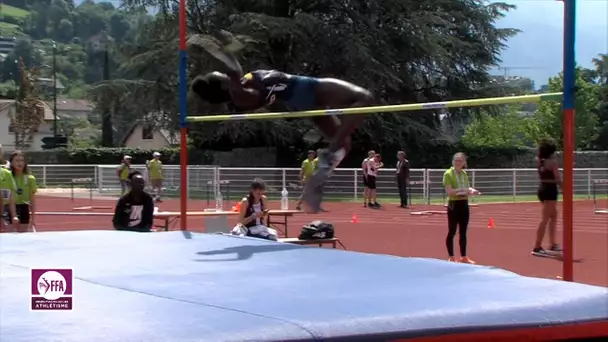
548 173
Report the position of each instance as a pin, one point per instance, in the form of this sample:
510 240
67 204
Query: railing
345 184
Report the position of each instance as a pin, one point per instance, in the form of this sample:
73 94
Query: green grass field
14 12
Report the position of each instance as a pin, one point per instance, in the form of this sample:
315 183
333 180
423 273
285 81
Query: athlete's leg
463 226
350 123
552 208
541 229
313 189
452 228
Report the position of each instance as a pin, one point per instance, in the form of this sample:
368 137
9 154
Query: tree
511 128
404 51
29 113
548 119
601 73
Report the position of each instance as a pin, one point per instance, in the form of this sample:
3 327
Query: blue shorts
301 96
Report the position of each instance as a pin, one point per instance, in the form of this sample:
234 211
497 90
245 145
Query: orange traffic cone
354 219
491 223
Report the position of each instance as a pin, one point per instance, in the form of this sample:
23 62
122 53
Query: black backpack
317 230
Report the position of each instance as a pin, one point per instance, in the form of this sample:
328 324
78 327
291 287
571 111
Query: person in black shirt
548 192
135 209
403 177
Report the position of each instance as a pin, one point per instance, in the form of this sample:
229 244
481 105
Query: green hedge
114 156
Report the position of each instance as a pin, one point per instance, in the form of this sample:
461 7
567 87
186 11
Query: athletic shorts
23 213
365 181
301 94
371 182
547 192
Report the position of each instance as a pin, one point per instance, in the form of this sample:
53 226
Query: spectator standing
134 210
123 173
366 190
373 165
7 200
548 193
308 168
403 177
456 183
155 175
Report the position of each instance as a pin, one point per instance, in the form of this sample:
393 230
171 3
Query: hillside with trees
125 60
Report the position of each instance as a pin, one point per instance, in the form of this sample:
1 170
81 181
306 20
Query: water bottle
284 199
219 205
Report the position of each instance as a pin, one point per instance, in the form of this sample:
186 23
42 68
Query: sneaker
377 205
466 260
364 205
371 206
298 207
556 249
452 259
541 252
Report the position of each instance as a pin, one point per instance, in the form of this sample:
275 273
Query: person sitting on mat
263 88
456 183
550 179
252 213
24 189
134 210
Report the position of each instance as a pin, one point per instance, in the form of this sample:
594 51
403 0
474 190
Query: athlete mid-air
267 88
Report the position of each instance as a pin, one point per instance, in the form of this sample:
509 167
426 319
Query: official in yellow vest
7 200
458 189
155 175
123 174
308 168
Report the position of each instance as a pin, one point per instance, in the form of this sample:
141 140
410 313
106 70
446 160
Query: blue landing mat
164 287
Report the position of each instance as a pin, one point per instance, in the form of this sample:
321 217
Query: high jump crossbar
382 109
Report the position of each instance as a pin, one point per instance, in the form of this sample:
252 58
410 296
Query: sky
538 49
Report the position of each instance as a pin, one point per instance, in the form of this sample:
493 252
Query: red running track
392 230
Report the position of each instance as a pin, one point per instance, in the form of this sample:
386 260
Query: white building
7 138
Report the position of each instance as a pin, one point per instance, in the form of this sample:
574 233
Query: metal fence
345 184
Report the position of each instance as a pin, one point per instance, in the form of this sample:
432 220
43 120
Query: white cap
156 154
127 157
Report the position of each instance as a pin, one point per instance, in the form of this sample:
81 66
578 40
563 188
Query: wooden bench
320 242
285 214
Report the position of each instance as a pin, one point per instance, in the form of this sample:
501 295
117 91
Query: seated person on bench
135 209
252 213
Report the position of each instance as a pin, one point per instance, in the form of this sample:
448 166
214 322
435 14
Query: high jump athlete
267 88
550 179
